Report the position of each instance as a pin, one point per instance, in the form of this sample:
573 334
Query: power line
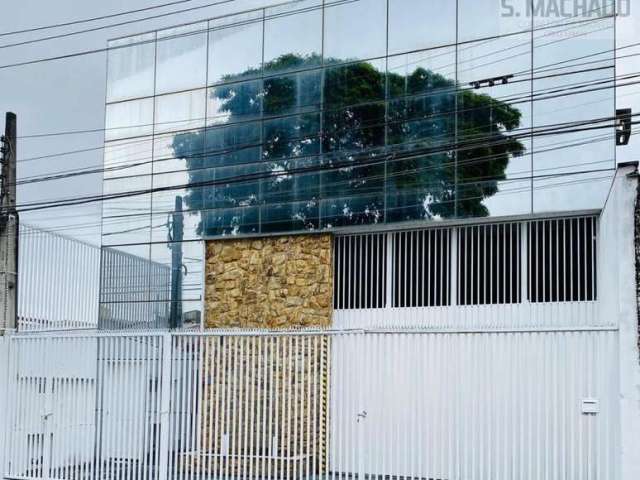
92 19
99 130
580 92
572 89
127 165
114 221
186 34
393 157
506 191
124 166
114 25
423 95
118 219
101 50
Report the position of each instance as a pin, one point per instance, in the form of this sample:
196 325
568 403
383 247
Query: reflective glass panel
489 18
232 221
418 24
179 294
365 209
353 143
131 67
494 159
182 58
235 48
354 114
290 217
293 36
129 119
233 144
294 93
126 218
128 157
234 102
566 91
126 274
421 134
179 130
166 218
125 277
355 30
230 187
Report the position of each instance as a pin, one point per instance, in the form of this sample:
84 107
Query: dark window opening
562 260
360 272
422 268
489 264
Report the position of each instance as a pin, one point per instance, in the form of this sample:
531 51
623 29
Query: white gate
479 405
82 406
330 404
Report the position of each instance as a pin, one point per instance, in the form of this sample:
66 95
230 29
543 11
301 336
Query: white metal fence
67 284
58 281
331 404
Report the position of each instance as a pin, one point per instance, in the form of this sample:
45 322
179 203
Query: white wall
619 302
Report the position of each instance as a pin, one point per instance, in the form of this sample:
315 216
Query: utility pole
8 228
176 237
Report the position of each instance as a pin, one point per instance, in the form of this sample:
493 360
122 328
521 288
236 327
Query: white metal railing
528 273
312 404
58 281
67 284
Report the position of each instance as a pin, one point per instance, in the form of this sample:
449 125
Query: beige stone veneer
271 282
277 387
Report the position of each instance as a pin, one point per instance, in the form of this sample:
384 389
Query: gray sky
69 94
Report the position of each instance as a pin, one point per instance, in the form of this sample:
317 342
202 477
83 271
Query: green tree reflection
364 160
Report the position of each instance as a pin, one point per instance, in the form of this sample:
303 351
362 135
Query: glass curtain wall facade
324 114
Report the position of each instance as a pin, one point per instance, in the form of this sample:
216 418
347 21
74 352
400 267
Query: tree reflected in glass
344 145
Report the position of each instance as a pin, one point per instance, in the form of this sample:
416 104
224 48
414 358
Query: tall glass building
319 115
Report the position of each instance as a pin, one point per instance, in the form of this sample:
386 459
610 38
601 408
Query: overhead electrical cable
168 37
195 32
506 191
98 130
551 93
112 168
419 141
423 95
552 147
118 220
92 19
382 159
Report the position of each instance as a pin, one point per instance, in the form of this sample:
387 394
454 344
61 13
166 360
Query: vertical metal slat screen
414 268
360 271
421 260
562 260
489 264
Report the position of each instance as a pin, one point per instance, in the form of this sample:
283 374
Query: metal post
8 228
177 235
